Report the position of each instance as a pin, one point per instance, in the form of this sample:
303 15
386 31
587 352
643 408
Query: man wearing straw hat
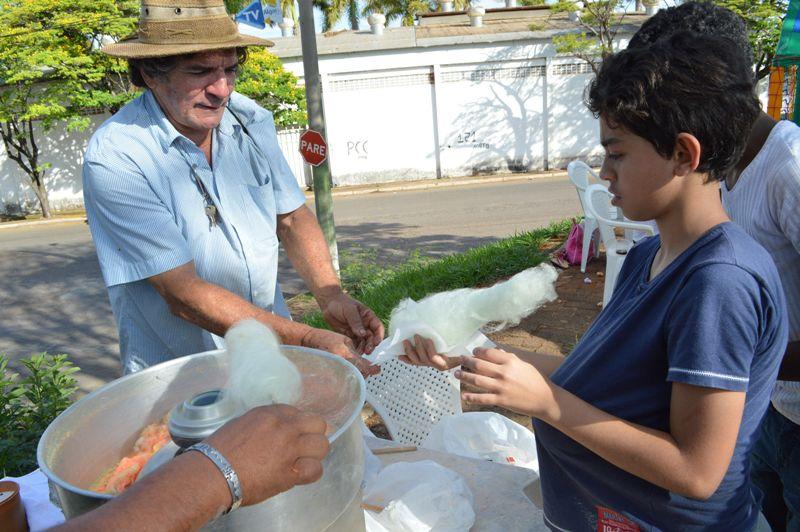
188 196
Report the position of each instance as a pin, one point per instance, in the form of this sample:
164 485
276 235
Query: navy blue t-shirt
715 317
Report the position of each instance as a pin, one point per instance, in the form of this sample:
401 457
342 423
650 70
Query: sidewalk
354 190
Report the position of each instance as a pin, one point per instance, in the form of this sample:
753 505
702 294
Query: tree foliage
407 10
52 71
264 79
763 19
599 21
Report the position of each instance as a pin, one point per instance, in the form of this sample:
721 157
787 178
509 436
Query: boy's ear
687 154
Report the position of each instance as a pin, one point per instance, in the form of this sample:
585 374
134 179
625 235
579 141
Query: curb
389 187
415 185
9 225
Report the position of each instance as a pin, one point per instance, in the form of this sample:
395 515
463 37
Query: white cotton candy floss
452 320
260 374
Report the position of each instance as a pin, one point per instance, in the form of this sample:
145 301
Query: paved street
52 297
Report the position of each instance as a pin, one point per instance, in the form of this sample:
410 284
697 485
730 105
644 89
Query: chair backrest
579 173
597 200
412 399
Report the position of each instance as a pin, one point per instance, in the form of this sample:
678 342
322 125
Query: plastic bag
574 244
487 436
419 497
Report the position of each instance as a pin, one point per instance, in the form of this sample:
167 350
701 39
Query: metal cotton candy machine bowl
97 431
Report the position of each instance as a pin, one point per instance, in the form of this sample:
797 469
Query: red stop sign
313 147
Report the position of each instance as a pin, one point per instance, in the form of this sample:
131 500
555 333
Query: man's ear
687 154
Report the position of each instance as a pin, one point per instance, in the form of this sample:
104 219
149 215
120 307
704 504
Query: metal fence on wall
289 141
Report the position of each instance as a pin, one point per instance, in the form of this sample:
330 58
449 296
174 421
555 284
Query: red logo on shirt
611 521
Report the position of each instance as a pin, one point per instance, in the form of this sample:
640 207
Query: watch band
227 471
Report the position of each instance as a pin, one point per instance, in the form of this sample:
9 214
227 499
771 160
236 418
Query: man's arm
308 252
215 309
270 448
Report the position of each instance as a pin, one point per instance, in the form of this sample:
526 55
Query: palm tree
334 10
407 10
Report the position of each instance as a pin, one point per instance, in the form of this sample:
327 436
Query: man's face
194 94
639 177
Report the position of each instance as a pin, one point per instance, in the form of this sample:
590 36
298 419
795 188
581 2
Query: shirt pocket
260 201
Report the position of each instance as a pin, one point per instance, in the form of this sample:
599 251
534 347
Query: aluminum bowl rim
52 477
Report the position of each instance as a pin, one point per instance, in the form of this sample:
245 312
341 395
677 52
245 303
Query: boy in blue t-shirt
648 424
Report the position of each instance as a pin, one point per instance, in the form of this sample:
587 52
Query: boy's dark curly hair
702 17
684 83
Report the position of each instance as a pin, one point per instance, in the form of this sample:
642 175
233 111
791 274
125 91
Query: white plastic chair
598 202
412 399
579 172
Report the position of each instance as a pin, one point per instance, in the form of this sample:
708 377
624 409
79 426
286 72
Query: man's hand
352 318
339 345
506 381
272 449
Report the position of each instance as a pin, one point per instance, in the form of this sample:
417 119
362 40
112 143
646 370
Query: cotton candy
456 316
260 374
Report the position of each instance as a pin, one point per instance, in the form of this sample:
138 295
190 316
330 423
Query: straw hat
175 27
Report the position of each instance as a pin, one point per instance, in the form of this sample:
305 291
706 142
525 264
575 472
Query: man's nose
221 87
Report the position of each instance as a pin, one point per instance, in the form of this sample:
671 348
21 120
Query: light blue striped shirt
147 216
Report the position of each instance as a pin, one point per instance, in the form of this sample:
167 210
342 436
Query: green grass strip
417 278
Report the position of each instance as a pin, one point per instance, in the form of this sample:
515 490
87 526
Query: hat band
179 13
198 30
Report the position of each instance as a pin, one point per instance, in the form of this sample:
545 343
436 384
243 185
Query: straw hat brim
135 49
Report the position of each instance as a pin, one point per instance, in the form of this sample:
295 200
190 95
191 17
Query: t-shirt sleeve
713 328
135 235
288 196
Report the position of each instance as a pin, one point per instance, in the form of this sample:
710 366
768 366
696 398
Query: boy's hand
423 353
507 382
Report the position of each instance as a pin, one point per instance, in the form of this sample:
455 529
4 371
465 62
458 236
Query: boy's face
639 177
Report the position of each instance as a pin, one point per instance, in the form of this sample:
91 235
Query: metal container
97 431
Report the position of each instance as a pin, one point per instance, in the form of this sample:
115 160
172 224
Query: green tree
599 21
264 79
763 19
334 10
407 10
52 71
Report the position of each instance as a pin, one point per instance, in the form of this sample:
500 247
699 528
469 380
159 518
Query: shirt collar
166 132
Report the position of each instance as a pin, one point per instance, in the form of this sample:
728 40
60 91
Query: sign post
323 199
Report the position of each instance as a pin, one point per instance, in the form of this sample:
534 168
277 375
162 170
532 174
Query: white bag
419 497
487 436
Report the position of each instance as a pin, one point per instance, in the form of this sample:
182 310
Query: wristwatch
227 471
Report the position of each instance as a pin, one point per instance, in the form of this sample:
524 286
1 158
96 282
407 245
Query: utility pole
323 200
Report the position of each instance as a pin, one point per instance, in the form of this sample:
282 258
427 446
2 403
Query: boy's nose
606 172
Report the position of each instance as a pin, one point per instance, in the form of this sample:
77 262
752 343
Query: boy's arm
422 352
691 459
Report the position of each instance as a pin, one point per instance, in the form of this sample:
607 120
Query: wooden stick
371 507
390 450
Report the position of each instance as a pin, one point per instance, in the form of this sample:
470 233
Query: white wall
64 151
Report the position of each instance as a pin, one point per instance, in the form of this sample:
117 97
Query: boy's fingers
479 381
481 367
411 353
497 356
481 398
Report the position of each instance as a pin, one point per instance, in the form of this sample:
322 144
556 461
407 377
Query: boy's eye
613 156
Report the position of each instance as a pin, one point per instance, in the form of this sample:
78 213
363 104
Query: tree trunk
37 183
639 5
352 14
